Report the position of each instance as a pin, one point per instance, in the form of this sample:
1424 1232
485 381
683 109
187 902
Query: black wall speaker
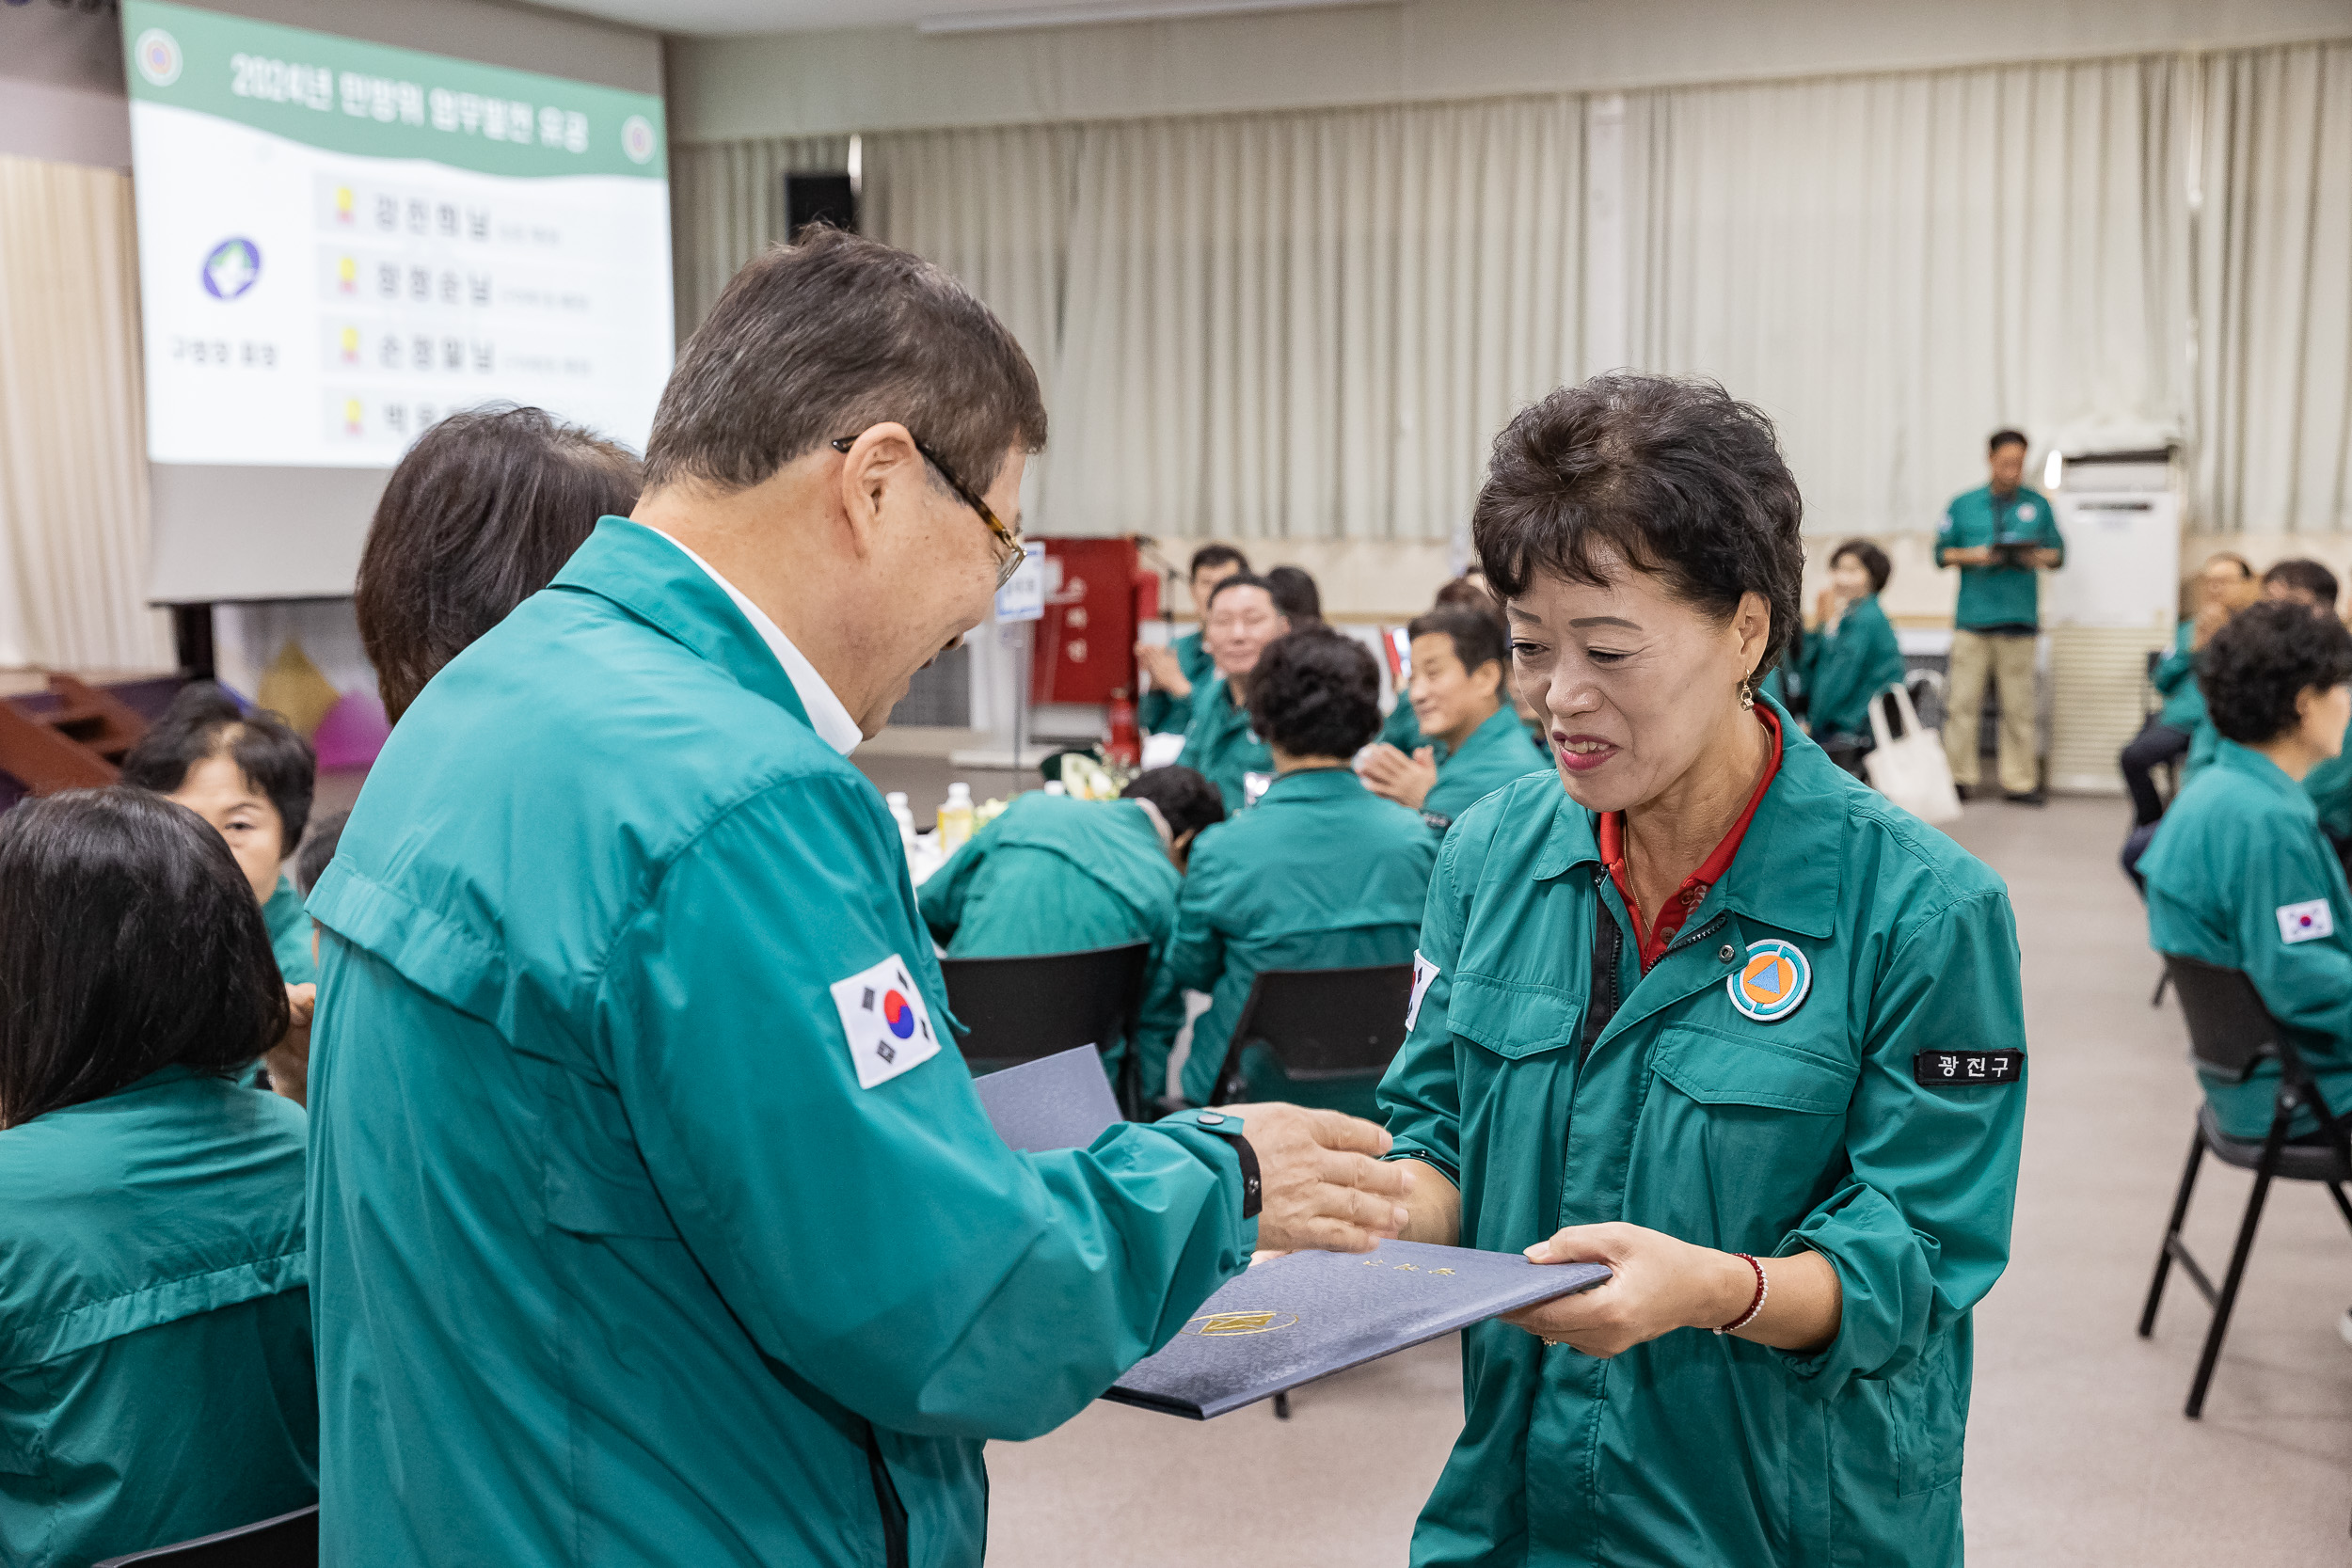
818 198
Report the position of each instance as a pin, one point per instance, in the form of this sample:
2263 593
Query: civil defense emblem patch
1773 981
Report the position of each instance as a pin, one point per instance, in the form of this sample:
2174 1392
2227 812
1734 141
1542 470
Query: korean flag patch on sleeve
1424 971
884 1015
2306 922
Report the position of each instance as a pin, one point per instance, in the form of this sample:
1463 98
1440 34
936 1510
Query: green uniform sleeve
881 1243
941 896
1919 1228
1421 1093
2306 985
1947 533
1194 958
2176 666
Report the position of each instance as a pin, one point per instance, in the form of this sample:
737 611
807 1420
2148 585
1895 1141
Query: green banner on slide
371 100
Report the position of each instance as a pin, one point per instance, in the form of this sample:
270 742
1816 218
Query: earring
1747 695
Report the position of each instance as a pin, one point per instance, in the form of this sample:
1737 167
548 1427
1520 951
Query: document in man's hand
1057 1101
1294 1319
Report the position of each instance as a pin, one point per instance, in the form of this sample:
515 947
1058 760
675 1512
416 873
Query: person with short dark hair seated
155 1369
1320 874
1241 618
251 777
1850 655
2294 582
1460 657
1184 664
2238 874
479 516
1056 875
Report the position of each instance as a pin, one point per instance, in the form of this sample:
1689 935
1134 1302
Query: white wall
868 79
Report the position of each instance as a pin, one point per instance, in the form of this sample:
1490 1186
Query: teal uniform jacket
1774 685
289 926
1164 712
2238 875
1220 746
1491 757
156 1373
649 1221
1054 875
1692 1119
2204 745
1997 595
2175 677
1401 729
1321 874
2330 786
1845 668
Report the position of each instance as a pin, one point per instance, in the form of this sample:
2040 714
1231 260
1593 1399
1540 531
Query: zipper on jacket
893 1512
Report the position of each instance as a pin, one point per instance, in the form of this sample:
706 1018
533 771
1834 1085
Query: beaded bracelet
1763 1287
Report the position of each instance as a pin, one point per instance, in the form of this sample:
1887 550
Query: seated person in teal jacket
251 777
1321 874
1184 664
1460 658
156 1381
2225 585
1054 875
2238 874
1850 655
1243 617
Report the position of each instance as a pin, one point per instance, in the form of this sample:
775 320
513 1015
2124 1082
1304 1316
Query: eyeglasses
1009 542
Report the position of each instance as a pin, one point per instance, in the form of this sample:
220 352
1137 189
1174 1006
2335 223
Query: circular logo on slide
158 54
899 1013
637 138
232 268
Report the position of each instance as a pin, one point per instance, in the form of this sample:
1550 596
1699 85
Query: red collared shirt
1658 938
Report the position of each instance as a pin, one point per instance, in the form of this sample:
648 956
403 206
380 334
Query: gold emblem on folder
1224 1325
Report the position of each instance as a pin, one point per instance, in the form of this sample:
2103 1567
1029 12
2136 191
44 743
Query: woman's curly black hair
1315 693
2262 660
1667 475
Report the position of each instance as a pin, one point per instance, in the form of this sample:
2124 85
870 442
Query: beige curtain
726 206
1895 266
2274 299
73 512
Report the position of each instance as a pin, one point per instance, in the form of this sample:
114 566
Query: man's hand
289 1060
1323 1182
1390 774
1972 555
1161 665
2044 556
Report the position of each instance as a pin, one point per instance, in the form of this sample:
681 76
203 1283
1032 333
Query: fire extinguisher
1126 745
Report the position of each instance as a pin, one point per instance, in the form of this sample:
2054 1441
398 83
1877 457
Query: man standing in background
1999 536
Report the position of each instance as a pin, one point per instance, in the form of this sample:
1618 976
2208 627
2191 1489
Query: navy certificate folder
1059 1101
1307 1315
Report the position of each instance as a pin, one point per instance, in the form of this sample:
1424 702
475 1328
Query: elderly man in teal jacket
1181 668
1321 874
1220 743
652 1218
1478 741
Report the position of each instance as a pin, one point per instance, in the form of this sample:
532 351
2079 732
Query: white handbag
1910 769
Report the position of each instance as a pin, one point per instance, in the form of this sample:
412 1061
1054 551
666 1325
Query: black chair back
289 1540
1322 1024
2229 1028
1020 1009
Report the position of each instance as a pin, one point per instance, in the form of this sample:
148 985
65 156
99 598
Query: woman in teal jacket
1458 660
155 1372
1717 1015
1851 656
1321 874
2238 874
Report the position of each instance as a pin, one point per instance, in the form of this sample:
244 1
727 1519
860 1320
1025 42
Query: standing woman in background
155 1371
1708 1011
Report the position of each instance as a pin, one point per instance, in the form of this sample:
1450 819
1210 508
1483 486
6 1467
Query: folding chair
1322 1025
289 1540
1020 1009
2230 1032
